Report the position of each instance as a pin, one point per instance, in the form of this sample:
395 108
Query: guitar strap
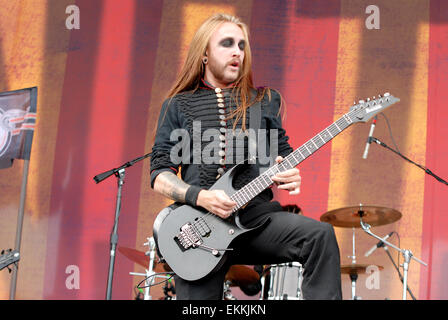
260 135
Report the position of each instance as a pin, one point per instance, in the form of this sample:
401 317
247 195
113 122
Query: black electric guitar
194 242
8 257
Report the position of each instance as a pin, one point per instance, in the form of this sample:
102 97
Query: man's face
225 55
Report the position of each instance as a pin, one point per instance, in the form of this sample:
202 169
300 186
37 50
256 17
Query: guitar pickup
202 228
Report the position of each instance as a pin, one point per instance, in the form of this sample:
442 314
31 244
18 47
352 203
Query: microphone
369 139
379 244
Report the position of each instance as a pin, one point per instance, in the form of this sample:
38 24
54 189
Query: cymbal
142 259
240 275
350 216
356 268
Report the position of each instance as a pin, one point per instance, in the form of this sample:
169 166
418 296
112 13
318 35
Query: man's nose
237 51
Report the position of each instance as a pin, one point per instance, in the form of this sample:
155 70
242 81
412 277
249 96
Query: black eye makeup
229 42
242 44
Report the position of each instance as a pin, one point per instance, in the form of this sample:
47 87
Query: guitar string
356 112
349 114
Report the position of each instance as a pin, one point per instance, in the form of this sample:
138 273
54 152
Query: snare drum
284 282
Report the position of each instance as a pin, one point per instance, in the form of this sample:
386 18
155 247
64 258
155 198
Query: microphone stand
398 270
120 174
407 254
407 159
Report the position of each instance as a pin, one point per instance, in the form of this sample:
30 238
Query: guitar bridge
188 237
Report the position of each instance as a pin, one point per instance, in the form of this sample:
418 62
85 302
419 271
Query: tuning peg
361 101
368 99
379 96
386 94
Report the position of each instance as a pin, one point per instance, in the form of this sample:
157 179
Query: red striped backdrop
101 88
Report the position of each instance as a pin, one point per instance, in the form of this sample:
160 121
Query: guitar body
196 262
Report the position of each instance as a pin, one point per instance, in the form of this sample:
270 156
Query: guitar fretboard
263 181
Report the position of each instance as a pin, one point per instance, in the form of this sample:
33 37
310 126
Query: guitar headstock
366 109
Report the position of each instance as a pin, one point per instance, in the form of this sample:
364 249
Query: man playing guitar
214 92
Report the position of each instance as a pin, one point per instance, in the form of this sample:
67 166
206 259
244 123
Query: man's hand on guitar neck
288 180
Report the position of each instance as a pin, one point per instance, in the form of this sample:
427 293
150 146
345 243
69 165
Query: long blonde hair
193 69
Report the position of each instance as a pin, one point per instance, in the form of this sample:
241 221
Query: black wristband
191 196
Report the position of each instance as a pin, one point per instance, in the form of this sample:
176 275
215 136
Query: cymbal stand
227 291
353 277
149 273
396 268
407 255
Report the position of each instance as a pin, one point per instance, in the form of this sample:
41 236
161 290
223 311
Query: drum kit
348 217
238 275
365 217
271 279
351 217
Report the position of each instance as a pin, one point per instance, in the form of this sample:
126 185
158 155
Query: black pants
288 237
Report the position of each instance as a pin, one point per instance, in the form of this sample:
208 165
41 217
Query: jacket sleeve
161 159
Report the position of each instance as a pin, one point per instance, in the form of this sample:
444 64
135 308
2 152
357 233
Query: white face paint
225 55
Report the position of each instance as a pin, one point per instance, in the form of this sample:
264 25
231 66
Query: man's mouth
234 64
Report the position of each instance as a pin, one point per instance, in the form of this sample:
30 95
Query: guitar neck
264 181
